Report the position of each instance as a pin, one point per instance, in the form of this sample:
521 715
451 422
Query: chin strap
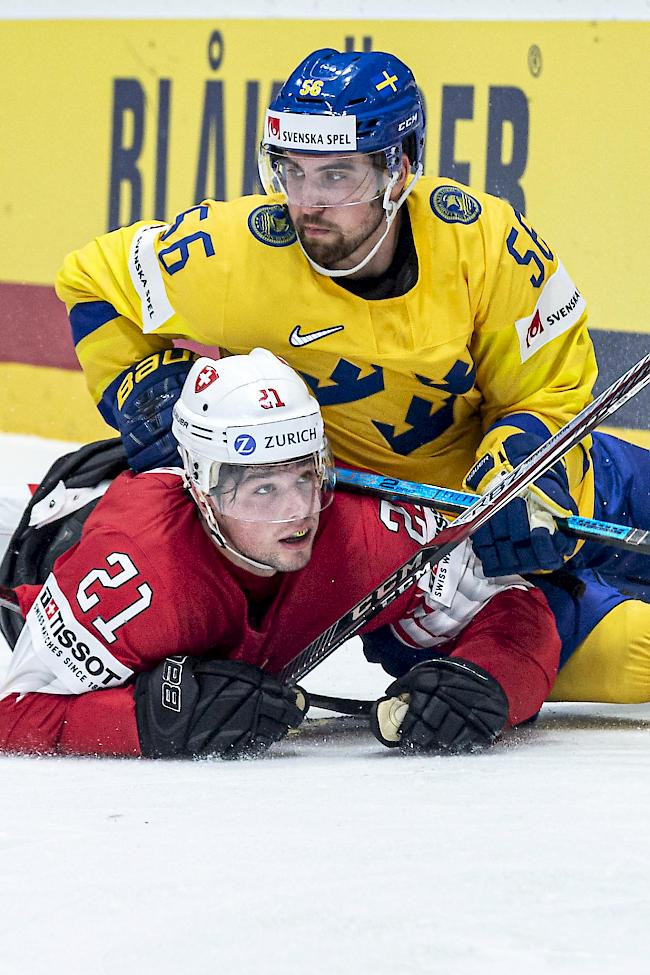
390 209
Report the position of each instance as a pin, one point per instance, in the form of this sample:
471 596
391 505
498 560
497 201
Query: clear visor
312 180
275 493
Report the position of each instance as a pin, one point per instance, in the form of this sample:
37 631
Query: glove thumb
386 717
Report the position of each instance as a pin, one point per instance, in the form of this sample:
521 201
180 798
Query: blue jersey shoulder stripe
88 316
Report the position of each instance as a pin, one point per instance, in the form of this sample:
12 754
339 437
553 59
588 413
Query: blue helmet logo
245 444
376 88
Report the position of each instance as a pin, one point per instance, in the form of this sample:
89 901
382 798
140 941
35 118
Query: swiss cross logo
51 609
205 378
274 127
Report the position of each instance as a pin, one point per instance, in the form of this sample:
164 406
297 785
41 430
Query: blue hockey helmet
343 105
375 89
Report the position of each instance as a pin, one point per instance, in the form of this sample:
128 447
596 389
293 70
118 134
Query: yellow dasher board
105 122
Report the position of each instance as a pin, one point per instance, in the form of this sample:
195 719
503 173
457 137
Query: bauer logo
454 205
479 471
271 225
245 444
559 307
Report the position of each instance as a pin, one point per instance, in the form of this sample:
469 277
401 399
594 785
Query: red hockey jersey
146 582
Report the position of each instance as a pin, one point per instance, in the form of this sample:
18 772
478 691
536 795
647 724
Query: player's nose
297 503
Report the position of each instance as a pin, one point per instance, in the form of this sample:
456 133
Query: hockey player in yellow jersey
441 334
422 316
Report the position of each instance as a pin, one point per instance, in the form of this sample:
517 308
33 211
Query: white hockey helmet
246 411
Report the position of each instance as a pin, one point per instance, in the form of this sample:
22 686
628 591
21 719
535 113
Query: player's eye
307 478
264 489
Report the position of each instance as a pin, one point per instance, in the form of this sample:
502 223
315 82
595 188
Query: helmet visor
275 493
324 180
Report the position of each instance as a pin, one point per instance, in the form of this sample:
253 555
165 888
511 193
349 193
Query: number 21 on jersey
86 599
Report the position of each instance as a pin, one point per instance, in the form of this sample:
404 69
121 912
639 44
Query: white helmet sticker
270 443
327 133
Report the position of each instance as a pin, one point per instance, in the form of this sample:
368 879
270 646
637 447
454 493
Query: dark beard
330 253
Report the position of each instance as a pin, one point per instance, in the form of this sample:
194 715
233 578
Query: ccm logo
171 683
408 122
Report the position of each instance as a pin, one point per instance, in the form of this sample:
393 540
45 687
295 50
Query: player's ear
404 171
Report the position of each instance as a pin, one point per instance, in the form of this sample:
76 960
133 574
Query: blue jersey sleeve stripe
88 316
525 422
528 423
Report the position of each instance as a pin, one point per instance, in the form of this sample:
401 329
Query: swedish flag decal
385 83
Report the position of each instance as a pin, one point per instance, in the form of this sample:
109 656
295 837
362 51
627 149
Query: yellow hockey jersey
494 327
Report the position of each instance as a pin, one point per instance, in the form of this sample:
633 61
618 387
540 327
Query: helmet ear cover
409 147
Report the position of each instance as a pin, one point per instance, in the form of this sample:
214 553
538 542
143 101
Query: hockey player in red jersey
160 632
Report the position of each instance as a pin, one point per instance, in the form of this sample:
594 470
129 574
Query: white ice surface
333 855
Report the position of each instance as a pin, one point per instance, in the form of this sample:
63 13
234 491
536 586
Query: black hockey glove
446 705
144 398
187 707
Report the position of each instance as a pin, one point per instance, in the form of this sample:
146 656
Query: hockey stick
509 487
343 705
9 600
394 489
